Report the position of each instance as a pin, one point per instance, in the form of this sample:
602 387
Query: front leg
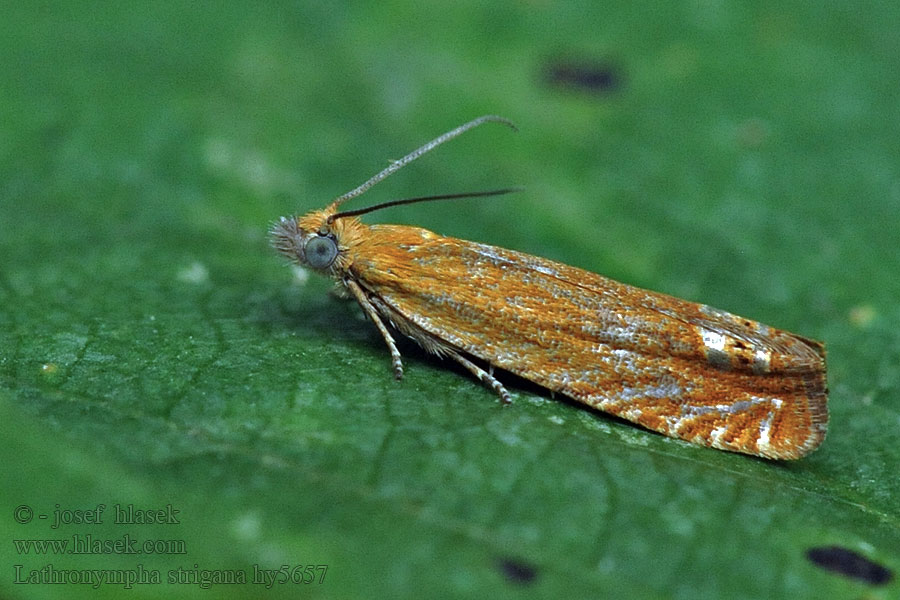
360 296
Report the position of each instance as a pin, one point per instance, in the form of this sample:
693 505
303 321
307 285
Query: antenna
399 164
368 209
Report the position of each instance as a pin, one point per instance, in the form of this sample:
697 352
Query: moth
679 368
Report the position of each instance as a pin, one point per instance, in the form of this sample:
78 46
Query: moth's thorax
318 243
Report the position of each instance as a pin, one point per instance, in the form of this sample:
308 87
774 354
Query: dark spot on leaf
517 571
594 77
849 564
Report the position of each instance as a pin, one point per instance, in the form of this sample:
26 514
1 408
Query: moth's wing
676 367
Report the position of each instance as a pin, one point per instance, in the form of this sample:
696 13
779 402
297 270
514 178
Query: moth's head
323 240
312 241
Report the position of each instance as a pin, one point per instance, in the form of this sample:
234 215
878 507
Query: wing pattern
683 369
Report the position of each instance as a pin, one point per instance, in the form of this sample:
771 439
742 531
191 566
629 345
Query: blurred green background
154 351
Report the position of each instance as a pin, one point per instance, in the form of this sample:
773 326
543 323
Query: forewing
680 368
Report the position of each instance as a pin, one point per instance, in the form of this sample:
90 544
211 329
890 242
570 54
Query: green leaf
155 352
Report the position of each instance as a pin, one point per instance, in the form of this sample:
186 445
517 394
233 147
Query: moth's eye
320 252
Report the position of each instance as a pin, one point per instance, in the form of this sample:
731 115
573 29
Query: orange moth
682 369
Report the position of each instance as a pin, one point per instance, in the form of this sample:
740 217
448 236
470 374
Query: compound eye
320 252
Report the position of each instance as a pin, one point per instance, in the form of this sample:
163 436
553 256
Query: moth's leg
373 315
485 377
